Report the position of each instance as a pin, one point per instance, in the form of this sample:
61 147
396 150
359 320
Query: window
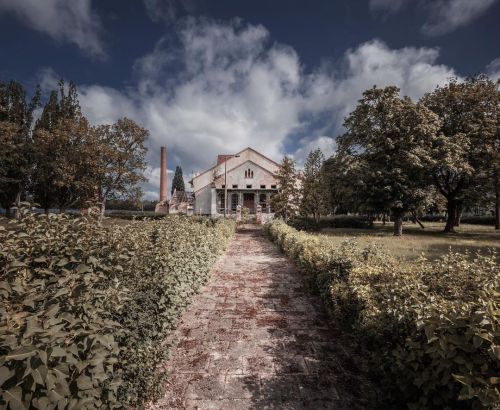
235 186
249 186
273 186
220 201
263 202
234 201
249 173
262 187
223 186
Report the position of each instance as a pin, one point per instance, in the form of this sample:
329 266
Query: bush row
430 330
338 221
473 220
84 311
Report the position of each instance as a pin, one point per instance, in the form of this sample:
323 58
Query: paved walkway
254 338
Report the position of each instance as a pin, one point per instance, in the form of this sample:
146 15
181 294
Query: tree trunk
452 214
497 209
398 226
416 220
103 209
398 223
458 214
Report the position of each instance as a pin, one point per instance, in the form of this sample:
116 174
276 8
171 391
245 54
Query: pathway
254 338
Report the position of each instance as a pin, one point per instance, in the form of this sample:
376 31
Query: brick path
254 338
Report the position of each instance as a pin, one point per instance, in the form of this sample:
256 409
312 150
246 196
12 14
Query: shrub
467 219
337 221
84 310
429 329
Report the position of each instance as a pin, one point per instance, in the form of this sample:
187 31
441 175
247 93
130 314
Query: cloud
443 16
447 15
168 10
64 21
493 69
219 87
326 144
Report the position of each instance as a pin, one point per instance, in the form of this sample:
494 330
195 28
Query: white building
250 178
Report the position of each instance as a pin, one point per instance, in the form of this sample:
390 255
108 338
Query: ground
255 338
431 241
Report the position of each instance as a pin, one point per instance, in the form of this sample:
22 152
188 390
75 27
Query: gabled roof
224 157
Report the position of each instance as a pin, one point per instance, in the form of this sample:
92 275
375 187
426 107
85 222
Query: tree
464 150
338 173
120 156
315 193
387 140
286 201
16 145
65 152
178 181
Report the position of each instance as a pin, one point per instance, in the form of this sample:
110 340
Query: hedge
466 219
337 221
84 311
430 330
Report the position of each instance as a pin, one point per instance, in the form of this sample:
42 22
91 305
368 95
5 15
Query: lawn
431 241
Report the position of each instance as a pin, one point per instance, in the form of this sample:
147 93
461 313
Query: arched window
248 173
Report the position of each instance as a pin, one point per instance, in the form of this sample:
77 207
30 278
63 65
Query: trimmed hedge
472 220
430 330
84 311
337 221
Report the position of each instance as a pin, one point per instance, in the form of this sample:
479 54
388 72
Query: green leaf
4 375
20 354
84 383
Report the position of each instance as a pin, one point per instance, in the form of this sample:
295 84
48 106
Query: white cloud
448 15
326 144
65 21
222 87
443 16
493 69
167 10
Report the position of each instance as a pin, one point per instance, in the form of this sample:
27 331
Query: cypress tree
178 181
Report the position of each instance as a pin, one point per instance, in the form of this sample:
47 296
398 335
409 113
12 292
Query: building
250 178
181 203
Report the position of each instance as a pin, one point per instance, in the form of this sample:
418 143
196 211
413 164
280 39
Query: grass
431 241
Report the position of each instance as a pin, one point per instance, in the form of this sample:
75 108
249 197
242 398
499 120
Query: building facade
250 178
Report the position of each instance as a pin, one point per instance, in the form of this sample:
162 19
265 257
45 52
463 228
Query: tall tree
338 172
178 181
121 160
64 155
16 145
388 138
286 201
464 150
315 195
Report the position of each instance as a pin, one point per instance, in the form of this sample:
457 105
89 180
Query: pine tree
315 194
286 201
178 181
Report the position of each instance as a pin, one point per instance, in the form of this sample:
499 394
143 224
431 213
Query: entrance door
249 201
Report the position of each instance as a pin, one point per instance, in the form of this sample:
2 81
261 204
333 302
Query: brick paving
254 338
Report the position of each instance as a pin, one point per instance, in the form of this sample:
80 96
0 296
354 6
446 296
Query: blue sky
212 76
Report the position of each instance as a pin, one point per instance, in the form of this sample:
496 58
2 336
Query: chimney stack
163 175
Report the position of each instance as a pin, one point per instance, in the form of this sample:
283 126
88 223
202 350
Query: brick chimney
163 175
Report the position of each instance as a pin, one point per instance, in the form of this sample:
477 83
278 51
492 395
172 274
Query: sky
215 76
